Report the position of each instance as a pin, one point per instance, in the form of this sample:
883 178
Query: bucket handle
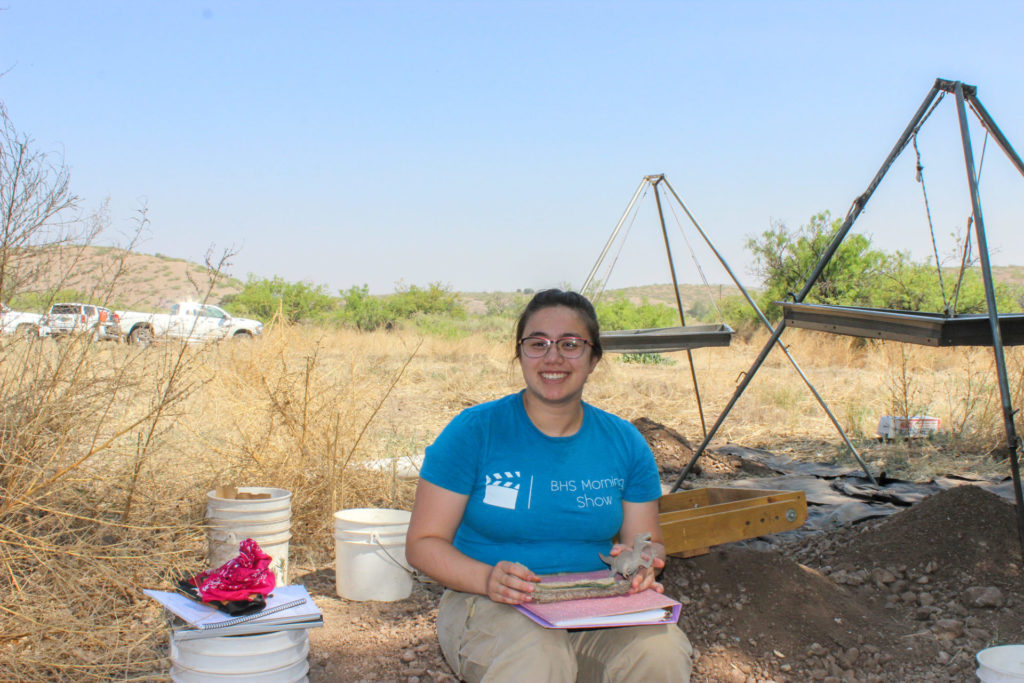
375 538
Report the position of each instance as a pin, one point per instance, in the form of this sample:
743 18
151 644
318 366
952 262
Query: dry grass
107 451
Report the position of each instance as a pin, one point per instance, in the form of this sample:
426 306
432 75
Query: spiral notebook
288 607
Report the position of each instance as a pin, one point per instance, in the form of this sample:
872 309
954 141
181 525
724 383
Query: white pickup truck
22 324
189 321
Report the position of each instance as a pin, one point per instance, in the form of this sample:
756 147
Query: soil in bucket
1001 664
267 520
370 554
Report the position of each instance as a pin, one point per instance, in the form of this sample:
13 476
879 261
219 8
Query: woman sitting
540 482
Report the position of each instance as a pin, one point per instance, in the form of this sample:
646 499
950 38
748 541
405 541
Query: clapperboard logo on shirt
502 489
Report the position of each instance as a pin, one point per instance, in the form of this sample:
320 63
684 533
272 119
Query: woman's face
552 378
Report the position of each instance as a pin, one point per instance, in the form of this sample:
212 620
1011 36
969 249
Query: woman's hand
510 583
645 577
642 518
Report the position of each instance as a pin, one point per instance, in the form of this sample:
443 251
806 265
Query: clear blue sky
494 145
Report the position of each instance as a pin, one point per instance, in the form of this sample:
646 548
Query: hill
1013 275
122 279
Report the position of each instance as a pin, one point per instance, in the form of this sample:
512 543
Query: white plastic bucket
1001 664
277 657
370 554
268 521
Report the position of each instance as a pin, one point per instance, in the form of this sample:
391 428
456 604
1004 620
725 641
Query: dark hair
547 298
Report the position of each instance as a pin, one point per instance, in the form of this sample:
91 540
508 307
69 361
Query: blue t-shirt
550 503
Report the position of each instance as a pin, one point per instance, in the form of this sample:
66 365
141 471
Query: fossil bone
629 562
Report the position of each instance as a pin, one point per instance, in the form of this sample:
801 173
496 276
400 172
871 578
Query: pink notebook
647 607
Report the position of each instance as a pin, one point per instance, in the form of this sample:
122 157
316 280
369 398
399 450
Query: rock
948 629
882 577
407 656
735 676
857 578
984 596
978 634
943 657
957 609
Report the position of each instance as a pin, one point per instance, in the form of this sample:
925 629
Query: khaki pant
484 641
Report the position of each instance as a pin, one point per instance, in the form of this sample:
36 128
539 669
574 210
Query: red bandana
238 578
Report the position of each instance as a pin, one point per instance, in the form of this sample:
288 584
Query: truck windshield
213 312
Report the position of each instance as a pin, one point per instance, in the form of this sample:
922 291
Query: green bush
622 314
261 298
738 314
784 260
859 275
506 304
436 298
367 312
362 310
912 286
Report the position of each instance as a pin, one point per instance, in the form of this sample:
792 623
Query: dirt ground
909 597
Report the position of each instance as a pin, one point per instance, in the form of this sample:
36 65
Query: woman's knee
485 641
651 654
661 654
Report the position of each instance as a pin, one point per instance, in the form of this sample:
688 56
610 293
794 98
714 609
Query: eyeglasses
568 347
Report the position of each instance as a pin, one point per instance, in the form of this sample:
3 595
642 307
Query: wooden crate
694 521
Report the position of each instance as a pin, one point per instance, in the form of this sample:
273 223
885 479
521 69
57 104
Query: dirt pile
673 452
965 531
912 597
